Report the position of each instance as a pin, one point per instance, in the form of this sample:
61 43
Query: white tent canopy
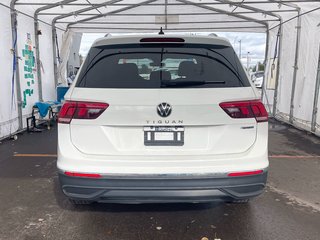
292 28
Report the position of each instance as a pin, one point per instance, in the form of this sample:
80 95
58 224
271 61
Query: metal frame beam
316 99
14 32
112 12
275 94
36 36
83 10
265 66
171 29
280 46
54 32
296 61
157 14
225 12
283 2
168 23
254 9
296 58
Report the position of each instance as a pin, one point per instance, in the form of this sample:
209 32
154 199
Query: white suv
163 118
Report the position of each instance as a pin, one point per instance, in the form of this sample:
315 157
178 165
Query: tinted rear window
162 66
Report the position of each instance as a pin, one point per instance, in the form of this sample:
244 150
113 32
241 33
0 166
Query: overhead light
279 5
61 5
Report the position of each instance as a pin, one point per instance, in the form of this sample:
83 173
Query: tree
260 67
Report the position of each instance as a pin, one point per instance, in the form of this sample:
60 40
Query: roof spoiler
213 35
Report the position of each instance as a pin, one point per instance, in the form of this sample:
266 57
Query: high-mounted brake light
241 174
246 109
80 110
168 40
85 175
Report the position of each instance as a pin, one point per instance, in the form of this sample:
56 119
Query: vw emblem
164 109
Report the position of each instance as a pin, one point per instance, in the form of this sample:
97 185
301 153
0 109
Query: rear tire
79 202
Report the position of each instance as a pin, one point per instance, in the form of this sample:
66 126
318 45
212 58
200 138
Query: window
162 66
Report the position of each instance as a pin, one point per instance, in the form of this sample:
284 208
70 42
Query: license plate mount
163 136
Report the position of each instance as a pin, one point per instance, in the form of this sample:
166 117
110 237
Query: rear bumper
152 189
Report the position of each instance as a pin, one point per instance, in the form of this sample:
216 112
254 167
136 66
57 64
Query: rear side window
162 66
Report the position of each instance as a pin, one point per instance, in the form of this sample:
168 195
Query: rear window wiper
166 83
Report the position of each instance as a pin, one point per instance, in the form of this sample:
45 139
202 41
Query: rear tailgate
208 130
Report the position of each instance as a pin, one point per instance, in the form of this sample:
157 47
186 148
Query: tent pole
275 96
265 65
234 14
160 14
54 54
15 54
83 10
111 2
166 14
316 99
296 59
37 50
254 9
37 47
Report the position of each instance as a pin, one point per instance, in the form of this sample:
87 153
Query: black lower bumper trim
141 190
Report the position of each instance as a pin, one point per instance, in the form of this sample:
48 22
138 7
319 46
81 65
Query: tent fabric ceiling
172 15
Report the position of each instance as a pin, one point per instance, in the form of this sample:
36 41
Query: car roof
135 39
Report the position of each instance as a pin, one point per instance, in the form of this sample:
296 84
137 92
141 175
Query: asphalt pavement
33 207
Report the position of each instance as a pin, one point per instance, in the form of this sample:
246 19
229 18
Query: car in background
162 119
257 79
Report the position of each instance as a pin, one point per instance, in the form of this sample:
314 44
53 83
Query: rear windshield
162 66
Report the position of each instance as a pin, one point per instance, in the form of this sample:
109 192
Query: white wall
74 59
307 68
27 65
46 58
27 69
8 109
306 73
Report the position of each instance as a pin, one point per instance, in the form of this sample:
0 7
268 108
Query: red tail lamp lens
241 174
80 110
84 175
168 40
246 109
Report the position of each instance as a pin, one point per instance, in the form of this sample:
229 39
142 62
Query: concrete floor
32 206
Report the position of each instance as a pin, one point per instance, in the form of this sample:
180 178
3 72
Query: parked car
191 128
257 79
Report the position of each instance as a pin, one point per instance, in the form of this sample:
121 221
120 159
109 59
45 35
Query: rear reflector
80 110
240 174
152 40
85 175
246 109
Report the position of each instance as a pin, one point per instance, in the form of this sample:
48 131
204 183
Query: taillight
85 175
80 110
241 174
246 109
